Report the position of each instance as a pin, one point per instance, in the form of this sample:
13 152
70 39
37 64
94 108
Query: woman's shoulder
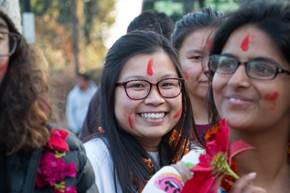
97 150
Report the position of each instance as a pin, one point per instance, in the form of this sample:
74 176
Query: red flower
57 140
215 163
52 168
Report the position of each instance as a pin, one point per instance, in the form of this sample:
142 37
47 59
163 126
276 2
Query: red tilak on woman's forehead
245 43
150 70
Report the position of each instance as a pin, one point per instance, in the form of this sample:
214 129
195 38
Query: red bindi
272 96
150 67
245 43
177 114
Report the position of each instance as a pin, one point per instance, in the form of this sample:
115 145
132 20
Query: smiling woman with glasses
250 89
146 113
250 73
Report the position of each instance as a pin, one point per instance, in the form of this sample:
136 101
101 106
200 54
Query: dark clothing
92 120
201 130
20 170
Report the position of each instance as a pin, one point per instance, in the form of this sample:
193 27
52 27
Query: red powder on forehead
272 96
3 69
177 114
150 67
130 122
245 43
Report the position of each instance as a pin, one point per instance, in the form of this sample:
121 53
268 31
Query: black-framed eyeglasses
258 68
8 43
140 89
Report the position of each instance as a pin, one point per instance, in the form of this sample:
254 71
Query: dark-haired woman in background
192 38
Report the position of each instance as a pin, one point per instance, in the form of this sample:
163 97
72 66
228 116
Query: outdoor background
76 34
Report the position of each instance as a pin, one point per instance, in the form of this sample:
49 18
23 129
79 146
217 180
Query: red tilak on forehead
177 114
130 121
150 67
272 96
245 43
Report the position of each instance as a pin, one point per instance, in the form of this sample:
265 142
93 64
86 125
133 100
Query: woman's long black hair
127 153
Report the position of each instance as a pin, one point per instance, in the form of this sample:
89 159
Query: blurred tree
177 8
73 31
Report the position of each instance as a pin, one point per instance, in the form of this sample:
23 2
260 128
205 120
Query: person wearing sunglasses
146 113
250 88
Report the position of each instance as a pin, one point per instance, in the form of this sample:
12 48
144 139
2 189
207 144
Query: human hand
245 185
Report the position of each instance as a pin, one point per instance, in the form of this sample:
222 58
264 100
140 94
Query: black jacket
20 170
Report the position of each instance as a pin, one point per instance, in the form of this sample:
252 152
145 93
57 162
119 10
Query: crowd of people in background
197 106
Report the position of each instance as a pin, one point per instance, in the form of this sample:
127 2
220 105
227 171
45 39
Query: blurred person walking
78 102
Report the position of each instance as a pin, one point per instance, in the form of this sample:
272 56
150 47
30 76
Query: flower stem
232 173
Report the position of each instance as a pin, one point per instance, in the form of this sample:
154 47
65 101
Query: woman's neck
200 110
150 144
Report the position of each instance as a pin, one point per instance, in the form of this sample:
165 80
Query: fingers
245 185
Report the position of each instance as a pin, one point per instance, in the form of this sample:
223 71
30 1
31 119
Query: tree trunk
75 35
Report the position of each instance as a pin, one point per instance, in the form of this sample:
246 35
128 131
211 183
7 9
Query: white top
102 163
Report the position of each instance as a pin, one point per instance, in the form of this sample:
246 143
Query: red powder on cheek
209 44
245 43
272 96
130 122
177 114
150 67
186 75
3 69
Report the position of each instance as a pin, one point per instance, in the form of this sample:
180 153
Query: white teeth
152 115
235 100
